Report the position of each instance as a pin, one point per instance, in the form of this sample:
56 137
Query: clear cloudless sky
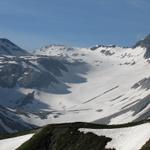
81 23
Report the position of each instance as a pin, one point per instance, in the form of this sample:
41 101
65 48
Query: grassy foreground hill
64 137
68 137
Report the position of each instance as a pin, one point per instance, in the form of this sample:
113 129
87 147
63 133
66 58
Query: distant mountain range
59 84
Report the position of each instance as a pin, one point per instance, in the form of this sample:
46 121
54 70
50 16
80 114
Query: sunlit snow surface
97 87
106 95
13 143
132 138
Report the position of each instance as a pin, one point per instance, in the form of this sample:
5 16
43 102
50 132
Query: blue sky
35 23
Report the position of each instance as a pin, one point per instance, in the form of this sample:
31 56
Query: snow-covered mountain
102 84
53 50
145 43
9 48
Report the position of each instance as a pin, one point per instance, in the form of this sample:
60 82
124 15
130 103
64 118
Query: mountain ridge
107 85
9 48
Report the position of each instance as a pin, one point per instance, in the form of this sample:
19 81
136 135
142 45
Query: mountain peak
5 40
54 50
144 42
101 45
9 48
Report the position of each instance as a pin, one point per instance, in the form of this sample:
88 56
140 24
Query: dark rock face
104 46
33 76
146 146
145 43
147 54
143 84
53 66
9 48
107 52
40 72
9 75
65 138
27 99
12 122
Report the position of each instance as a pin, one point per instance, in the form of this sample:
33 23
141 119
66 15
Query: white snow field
132 138
102 86
98 86
103 91
13 143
